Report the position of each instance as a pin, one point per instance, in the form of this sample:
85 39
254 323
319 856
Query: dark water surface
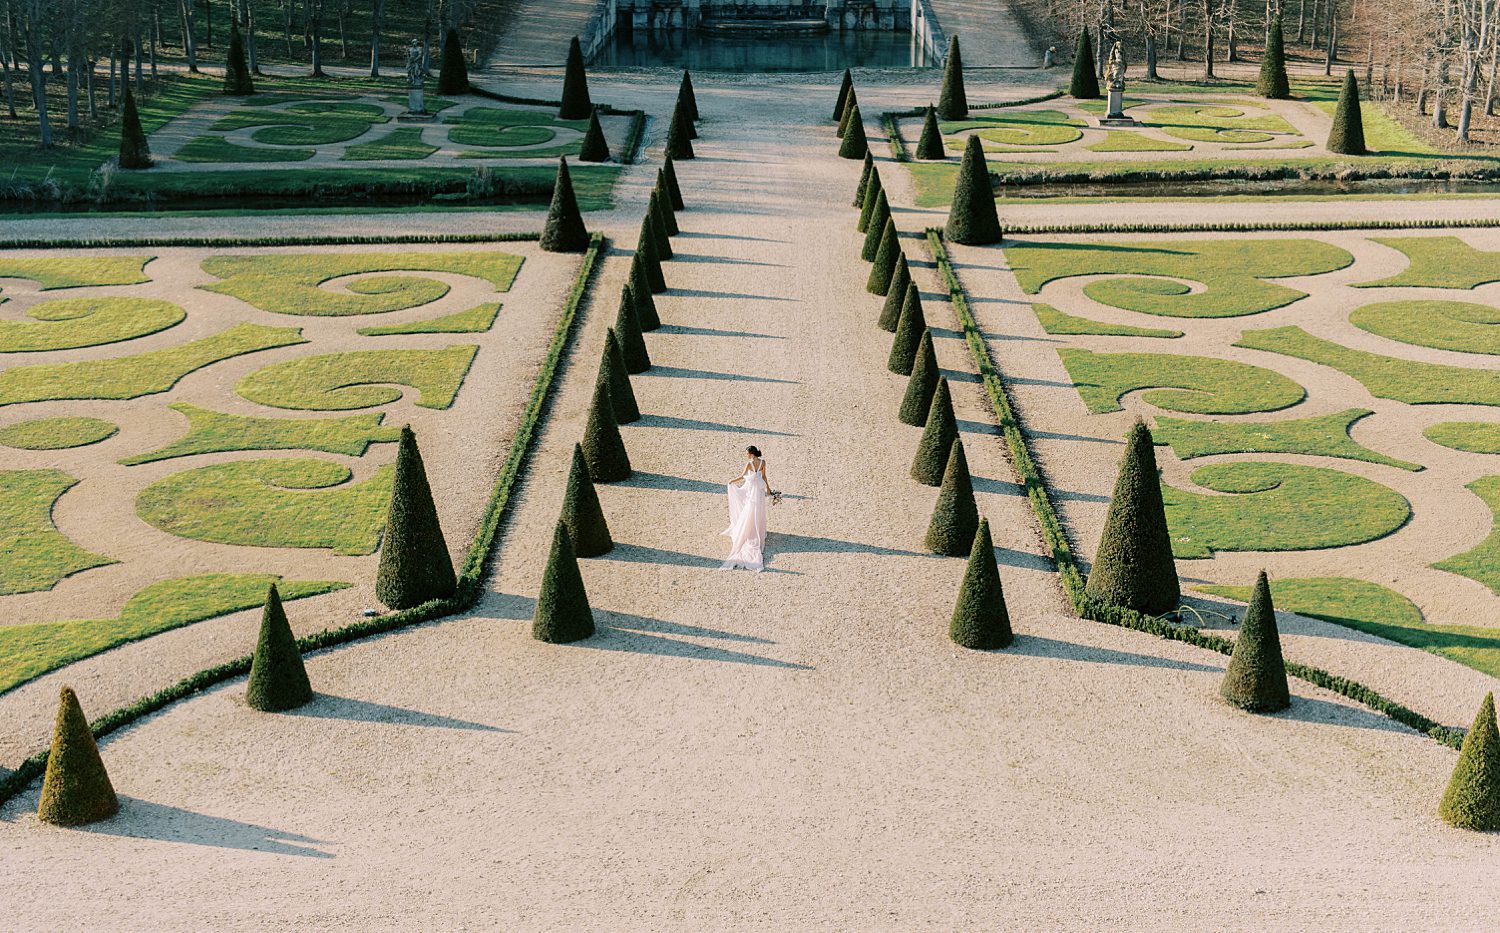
699 51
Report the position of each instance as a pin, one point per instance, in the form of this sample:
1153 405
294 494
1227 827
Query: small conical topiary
1272 82
650 266
864 179
76 789
688 97
1472 800
628 330
612 373
603 448
845 86
595 148
871 197
1085 83
955 517
930 144
1348 134
931 461
972 220
665 212
581 512
673 188
855 143
879 280
652 226
980 620
135 152
850 103
923 382
908 333
562 610
1134 566
278 678
679 139
453 76
564 231
575 94
688 110
414 563
953 103
237 79
640 290
895 300
875 231
1256 678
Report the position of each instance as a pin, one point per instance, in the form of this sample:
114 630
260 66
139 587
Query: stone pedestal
1114 114
416 108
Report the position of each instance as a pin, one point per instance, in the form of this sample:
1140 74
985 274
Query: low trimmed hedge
1274 226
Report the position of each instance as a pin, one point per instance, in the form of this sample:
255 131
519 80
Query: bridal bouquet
776 497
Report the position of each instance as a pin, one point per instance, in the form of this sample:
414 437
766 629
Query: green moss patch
1443 325
1198 385
1439 262
1056 322
1279 507
76 271
360 379
56 433
1475 437
219 149
69 323
476 320
29 651
1322 436
271 503
289 283
214 432
1482 563
1130 141
37 555
401 143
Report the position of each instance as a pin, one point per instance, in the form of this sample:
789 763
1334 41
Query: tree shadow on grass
1035 646
328 706
142 819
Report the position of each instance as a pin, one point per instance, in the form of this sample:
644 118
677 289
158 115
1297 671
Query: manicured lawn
1129 141
1322 436
1016 128
56 433
1198 385
51 272
404 142
1056 322
476 320
1477 437
1482 563
69 323
1445 325
1440 262
361 379
37 555
213 432
219 149
1217 123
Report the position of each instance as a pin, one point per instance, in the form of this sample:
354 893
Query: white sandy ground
795 750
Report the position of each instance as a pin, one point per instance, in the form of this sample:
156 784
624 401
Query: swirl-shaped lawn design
494 128
360 379
37 555
1443 325
1200 385
309 123
57 433
1279 507
50 272
1216 123
1018 128
70 323
1439 262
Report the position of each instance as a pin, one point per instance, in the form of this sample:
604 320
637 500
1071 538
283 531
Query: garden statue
1049 58
1114 77
414 102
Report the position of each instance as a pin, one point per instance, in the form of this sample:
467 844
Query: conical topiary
875 231
562 610
980 620
628 330
665 212
673 188
76 789
845 86
850 103
278 678
955 517
1348 134
612 373
879 280
1472 800
923 382
864 179
855 143
575 94
594 147
453 76
603 448
908 333
581 512
1085 83
972 220
237 79
135 152
1272 82
414 562
679 140
564 231
1134 566
953 104
651 225
688 108
688 96
640 290
895 300
930 144
1256 678
650 266
931 460
873 187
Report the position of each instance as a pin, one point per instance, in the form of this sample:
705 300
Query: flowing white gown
747 522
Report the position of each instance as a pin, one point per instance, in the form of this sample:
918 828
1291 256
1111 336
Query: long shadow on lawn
328 706
142 819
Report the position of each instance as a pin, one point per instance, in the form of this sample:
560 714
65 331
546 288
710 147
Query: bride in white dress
749 495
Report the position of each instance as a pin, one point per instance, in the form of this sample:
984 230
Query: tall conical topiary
980 619
237 79
650 266
673 189
930 145
850 102
278 678
679 140
453 75
628 329
688 96
875 231
908 333
1256 678
640 290
923 382
1472 800
855 143
688 109
581 512
1085 83
953 103
895 298
665 212
1272 82
1134 566
864 179
564 231
594 148
873 188
575 93
1348 134
76 789
884 267
845 86
955 517
603 448
612 372
135 152
931 460
414 562
562 610
972 220
651 225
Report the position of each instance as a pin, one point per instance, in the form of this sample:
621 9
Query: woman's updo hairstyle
753 451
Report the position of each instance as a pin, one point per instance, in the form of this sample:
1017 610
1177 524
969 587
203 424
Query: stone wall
648 15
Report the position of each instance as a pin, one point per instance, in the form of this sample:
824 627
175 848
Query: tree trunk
1333 42
1151 57
315 28
208 24
1208 45
73 56
1232 47
114 64
88 85
1301 20
250 53
34 64
189 41
1489 90
10 95
140 64
287 23
344 12
377 23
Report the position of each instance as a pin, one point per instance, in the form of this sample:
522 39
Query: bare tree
377 23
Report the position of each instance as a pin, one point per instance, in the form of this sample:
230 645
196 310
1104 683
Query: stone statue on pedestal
414 100
1114 78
